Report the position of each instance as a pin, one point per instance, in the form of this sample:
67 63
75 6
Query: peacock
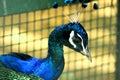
25 67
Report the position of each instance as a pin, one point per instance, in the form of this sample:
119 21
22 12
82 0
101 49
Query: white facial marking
74 45
84 49
70 39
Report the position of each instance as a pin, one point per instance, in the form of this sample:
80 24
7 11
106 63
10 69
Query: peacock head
76 38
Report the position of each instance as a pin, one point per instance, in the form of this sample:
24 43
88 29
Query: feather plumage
9 74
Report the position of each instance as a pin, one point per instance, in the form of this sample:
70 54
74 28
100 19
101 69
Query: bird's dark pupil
77 40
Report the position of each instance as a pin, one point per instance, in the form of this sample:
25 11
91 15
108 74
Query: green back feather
8 74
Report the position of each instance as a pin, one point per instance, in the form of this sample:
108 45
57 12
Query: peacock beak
87 53
89 56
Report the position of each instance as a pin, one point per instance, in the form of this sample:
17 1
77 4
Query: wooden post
117 73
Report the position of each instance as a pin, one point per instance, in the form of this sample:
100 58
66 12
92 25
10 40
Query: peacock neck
55 52
55 49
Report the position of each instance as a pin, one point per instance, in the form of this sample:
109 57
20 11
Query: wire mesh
28 33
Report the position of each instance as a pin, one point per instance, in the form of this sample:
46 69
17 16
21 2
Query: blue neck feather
55 49
55 57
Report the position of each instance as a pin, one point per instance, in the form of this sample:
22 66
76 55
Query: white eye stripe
73 44
81 41
71 40
79 36
84 49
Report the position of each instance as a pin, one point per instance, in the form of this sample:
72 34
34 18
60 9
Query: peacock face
76 38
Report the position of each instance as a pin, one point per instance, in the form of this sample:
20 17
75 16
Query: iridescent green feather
8 74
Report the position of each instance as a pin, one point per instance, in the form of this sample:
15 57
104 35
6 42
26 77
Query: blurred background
25 26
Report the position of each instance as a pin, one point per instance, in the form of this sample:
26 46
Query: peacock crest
76 14
75 17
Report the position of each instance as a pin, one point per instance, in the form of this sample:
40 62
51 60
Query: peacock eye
77 39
